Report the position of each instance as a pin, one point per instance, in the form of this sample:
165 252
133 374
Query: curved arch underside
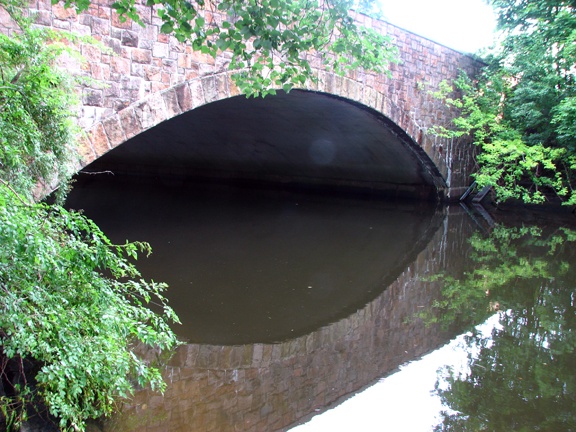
302 138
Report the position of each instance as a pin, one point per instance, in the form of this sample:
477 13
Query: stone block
61 24
160 50
85 151
92 97
145 13
156 86
152 73
137 70
41 17
184 97
151 112
169 65
91 53
100 26
197 93
62 13
80 29
130 123
119 66
120 22
163 38
99 140
114 131
171 103
233 89
111 90
140 55
42 4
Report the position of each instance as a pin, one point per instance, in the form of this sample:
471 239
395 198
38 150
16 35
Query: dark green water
290 302
258 265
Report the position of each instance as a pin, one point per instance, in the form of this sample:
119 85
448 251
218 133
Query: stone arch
184 97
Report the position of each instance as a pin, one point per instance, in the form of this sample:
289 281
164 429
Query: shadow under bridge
300 139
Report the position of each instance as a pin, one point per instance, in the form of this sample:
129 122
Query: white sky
464 25
404 401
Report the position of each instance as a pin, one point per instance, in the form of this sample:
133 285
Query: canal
293 301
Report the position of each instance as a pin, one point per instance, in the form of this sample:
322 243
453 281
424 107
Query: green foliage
271 40
35 98
521 112
71 303
500 260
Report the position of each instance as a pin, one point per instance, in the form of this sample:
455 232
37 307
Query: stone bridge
166 109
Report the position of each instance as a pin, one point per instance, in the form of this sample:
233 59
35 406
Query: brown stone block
100 71
61 24
210 87
117 22
120 65
43 4
198 57
233 89
114 131
141 56
163 38
157 87
99 140
92 97
152 73
85 151
171 102
62 13
197 93
130 123
41 17
151 112
145 13
129 38
91 53
184 60
191 73
100 26
169 65
184 97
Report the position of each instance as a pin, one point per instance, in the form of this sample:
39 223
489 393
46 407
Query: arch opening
301 139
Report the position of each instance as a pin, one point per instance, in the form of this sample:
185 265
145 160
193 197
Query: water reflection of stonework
267 387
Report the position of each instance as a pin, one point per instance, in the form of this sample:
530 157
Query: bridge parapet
140 77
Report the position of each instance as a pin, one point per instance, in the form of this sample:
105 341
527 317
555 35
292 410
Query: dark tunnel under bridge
300 139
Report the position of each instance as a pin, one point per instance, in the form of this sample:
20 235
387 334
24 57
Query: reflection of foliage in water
501 261
522 377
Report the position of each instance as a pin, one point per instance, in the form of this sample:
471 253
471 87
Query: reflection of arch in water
260 387
255 265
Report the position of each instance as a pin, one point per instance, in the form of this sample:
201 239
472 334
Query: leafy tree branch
270 41
521 111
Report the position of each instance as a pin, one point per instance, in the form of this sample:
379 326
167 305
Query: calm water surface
292 302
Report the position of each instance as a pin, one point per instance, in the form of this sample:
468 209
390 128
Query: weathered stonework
137 65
